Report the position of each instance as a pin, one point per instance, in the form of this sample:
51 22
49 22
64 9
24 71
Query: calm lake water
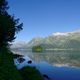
58 65
57 58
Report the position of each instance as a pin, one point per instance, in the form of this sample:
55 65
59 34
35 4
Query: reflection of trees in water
38 57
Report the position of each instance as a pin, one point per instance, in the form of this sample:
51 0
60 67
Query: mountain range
67 40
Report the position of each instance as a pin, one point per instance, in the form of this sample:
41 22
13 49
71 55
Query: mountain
68 40
19 45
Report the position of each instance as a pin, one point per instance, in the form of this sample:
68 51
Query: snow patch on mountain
59 34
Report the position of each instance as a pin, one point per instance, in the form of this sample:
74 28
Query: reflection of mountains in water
57 58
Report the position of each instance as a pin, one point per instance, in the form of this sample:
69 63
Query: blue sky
44 17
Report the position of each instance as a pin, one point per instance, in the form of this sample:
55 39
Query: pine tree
9 26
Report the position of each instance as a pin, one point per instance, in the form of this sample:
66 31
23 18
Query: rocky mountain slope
69 40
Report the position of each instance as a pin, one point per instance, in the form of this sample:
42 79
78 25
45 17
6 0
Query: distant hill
69 40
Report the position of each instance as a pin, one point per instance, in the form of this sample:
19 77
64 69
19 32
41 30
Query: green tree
9 26
37 48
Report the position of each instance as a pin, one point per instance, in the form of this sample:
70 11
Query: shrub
30 73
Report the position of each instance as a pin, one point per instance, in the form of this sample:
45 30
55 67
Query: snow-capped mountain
55 40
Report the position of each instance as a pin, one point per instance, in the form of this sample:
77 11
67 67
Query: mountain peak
65 33
59 34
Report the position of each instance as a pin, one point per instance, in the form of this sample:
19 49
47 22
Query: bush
30 73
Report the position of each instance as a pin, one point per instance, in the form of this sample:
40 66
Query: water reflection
71 58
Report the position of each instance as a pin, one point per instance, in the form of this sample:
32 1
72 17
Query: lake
57 58
58 65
